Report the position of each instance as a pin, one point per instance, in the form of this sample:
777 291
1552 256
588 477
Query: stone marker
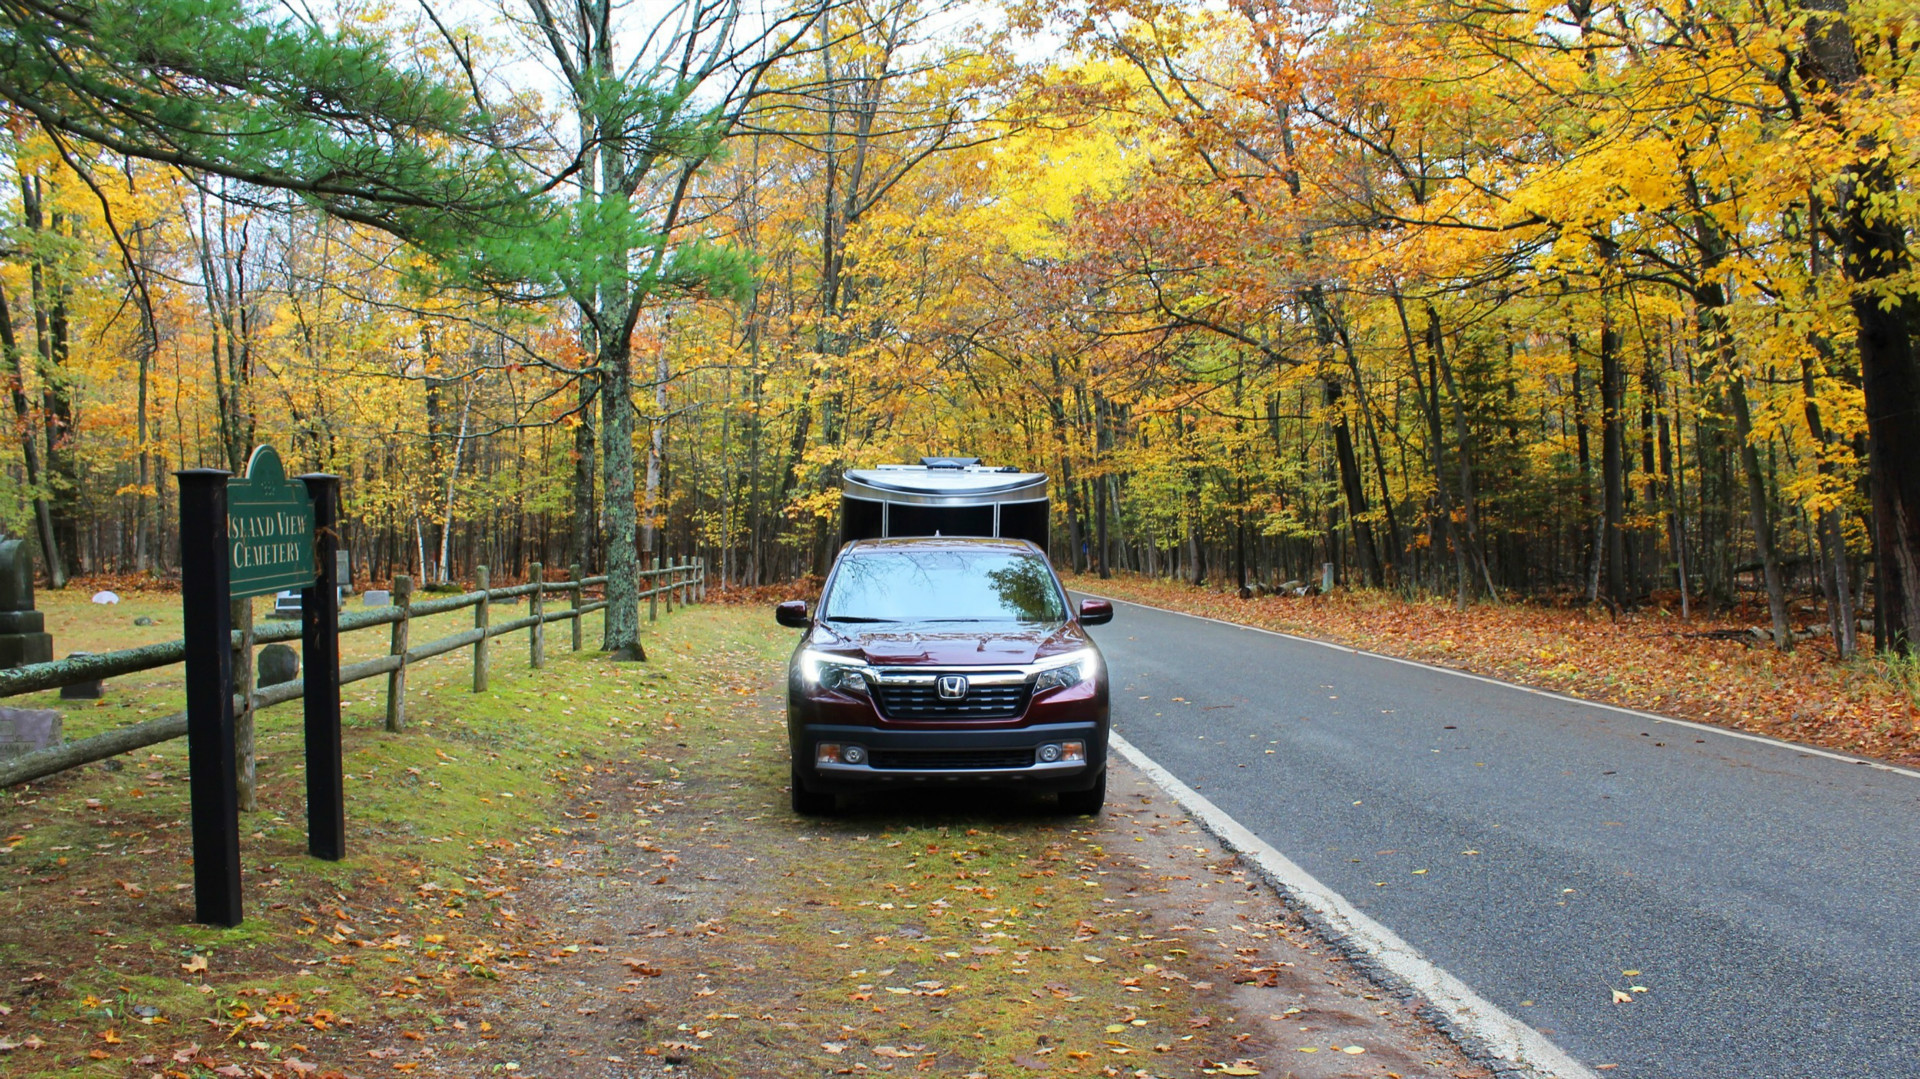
23 730
83 691
143 620
278 663
23 636
376 597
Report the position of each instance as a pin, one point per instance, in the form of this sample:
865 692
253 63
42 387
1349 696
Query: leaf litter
1709 670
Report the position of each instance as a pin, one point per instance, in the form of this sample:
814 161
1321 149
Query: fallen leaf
196 965
1622 998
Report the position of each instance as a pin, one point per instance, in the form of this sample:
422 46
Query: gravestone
377 597
23 636
83 691
23 730
277 664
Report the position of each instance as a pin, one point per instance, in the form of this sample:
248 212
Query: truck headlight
829 671
1068 670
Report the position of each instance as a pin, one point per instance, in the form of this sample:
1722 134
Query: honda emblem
952 687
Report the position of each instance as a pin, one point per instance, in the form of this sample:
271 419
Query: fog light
1073 751
854 755
826 753
1049 754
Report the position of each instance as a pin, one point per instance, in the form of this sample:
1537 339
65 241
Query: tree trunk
30 447
586 552
1613 455
1757 509
621 634
1874 247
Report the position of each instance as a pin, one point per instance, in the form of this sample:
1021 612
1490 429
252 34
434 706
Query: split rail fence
678 581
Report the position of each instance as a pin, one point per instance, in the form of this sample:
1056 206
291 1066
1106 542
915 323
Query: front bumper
950 758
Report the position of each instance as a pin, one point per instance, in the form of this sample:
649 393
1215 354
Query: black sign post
320 650
207 620
247 537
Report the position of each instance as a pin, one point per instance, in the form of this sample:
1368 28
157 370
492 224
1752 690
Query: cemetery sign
269 529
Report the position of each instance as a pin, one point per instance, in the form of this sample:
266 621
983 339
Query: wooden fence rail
687 578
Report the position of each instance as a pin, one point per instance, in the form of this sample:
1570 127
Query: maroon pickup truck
946 662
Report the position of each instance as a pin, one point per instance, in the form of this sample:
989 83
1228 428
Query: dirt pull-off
701 929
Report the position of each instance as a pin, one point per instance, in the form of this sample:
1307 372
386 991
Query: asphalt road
1541 850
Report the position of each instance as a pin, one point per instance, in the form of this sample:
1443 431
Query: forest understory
1711 668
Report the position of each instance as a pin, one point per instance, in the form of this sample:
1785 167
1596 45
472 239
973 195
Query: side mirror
792 613
1095 612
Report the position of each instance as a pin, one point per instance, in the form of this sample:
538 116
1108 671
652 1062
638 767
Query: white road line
1651 717
1471 1016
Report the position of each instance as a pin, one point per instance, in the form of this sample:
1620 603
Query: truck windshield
943 586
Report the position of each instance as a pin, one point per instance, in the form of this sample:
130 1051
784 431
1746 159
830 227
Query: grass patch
106 971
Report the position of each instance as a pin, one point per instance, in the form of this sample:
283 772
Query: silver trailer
946 496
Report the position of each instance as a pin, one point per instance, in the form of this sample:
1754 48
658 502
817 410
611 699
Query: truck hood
946 644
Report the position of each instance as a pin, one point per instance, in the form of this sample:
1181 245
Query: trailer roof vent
949 462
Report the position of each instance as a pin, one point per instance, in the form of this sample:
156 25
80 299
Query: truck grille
950 759
981 702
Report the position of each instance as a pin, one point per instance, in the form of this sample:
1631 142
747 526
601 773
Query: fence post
573 574
701 595
653 592
397 678
244 773
537 608
480 622
672 581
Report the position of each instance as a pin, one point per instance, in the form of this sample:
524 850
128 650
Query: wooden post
244 773
573 573
653 592
537 608
206 618
320 677
397 678
671 581
480 622
700 594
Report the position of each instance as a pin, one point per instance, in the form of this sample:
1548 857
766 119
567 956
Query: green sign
269 529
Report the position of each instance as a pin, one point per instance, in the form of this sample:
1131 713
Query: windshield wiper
857 618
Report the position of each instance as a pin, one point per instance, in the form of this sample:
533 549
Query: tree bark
1875 251
30 447
585 548
1613 455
